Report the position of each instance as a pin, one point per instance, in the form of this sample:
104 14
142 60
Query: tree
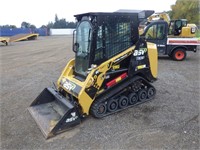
60 23
32 26
50 25
8 26
25 25
43 26
71 25
186 9
56 18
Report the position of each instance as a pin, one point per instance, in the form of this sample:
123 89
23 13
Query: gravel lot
170 121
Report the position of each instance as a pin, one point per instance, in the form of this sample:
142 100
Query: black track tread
117 90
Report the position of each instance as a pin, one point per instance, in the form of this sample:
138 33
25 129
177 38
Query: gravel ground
170 121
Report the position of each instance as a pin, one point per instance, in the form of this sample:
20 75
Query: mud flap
54 113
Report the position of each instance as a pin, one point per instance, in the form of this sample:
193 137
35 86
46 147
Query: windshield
83 40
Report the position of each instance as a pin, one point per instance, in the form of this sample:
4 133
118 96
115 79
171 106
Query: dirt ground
170 121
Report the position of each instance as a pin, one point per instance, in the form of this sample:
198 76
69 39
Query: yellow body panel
85 102
67 71
186 32
153 58
159 16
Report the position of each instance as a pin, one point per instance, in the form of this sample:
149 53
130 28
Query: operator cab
157 32
175 26
100 36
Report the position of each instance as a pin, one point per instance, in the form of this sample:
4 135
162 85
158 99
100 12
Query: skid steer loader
112 70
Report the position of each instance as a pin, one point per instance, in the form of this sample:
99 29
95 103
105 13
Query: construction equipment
177 28
175 47
112 70
24 37
159 16
5 40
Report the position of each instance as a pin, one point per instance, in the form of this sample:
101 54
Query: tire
151 92
112 105
133 98
142 95
179 54
123 101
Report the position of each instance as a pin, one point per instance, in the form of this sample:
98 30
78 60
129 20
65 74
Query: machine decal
73 117
141 66
69 85
72 87
160 45
140 52
140 57
115 67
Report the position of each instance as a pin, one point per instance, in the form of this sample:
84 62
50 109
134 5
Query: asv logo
74 117
69 86
140 52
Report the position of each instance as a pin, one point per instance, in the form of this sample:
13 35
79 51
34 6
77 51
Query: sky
40 12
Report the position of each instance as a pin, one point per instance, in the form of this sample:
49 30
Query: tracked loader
112 70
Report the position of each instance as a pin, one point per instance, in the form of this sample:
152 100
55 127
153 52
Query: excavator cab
175 26
180 28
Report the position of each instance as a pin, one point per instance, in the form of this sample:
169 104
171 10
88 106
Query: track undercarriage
127 94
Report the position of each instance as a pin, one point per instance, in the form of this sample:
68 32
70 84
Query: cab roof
142 14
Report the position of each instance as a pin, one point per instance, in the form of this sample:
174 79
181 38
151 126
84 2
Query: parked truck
168 40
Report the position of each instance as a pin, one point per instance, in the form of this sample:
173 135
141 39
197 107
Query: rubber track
119 90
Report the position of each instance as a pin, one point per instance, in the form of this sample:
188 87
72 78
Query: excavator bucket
54 113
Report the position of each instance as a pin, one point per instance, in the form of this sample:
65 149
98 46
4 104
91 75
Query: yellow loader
112 70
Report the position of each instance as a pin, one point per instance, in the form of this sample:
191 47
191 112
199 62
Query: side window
184 23
99 38
118 37
171 28
99 45
151 33
161 31
156 31
178 26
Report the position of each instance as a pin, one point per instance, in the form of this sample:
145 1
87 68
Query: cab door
156 32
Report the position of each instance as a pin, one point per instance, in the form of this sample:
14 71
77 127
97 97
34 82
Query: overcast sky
40 12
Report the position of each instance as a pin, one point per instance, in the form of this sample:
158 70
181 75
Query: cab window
156 31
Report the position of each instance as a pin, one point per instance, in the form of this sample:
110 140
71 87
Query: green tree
43 26
71 25
32 26
60 23
8 26
25 25
50 25
56 18
186 9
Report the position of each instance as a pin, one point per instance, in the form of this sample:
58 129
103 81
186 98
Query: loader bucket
54 113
